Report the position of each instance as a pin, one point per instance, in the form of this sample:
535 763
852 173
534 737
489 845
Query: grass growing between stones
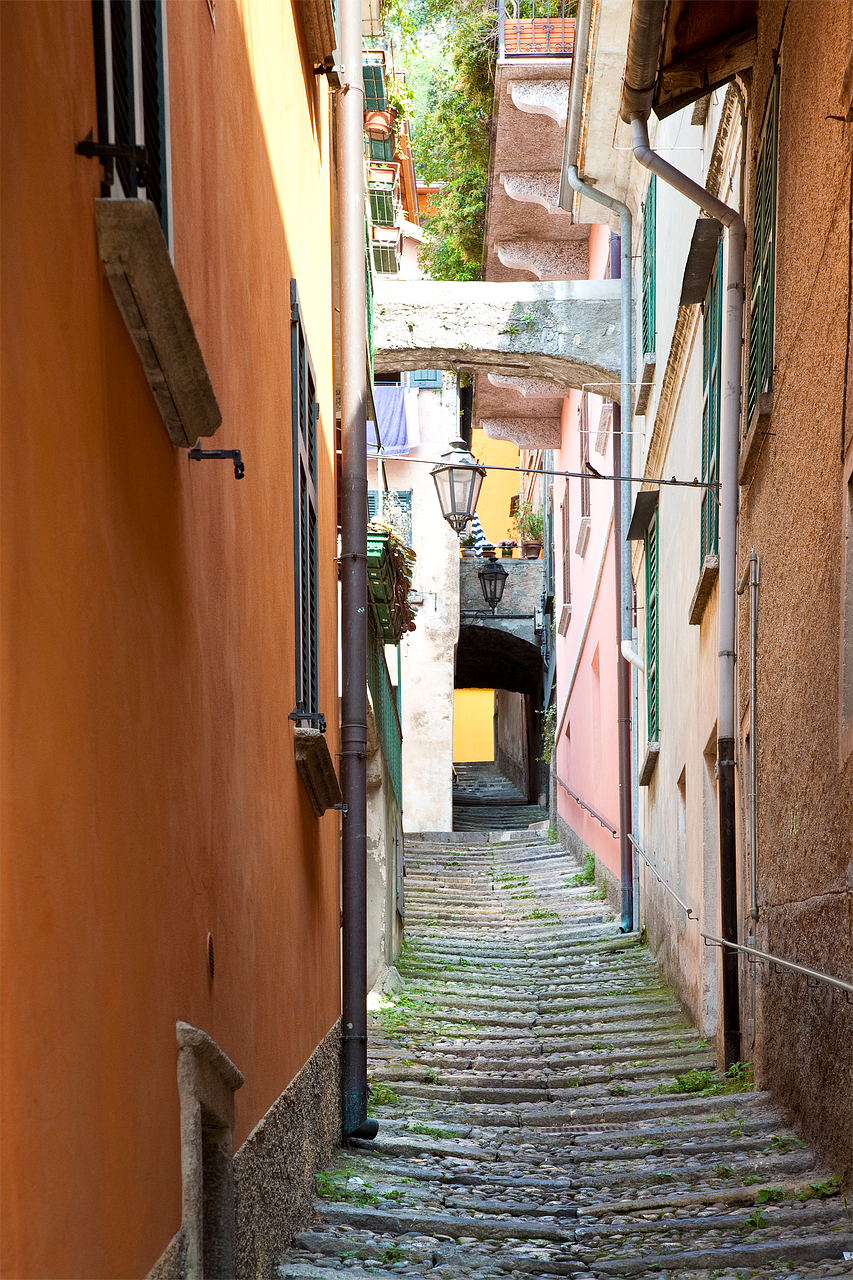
707 1083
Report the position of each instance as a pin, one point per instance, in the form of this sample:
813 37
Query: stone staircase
485 800
546 1109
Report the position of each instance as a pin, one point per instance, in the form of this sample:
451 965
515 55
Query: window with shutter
712 330
381 205
428 379
397 510
304 411
564 519
760 379
130 76
649 265
651 549
584 442
375 97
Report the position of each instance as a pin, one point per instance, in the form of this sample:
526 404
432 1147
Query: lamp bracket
317 718
107 152
204 455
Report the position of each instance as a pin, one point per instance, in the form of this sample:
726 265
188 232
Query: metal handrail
766 957
586 806
691 915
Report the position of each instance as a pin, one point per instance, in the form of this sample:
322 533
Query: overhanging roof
705 42
681 50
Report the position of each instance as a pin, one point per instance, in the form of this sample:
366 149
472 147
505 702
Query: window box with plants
389 580
507 547
467 548
530 523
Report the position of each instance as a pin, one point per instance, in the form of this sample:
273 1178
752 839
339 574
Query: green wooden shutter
761 303
381 204
375 97
652 634
649 254
304 414
712 391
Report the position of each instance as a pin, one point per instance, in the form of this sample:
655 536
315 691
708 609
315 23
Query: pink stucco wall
586 748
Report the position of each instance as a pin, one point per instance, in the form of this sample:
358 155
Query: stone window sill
755 437
707 577
649 763
317 770
149 297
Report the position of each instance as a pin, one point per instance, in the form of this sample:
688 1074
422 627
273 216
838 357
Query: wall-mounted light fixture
202 455
457 482
493 578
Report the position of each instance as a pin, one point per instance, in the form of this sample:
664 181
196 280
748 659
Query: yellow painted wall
498 488
473 724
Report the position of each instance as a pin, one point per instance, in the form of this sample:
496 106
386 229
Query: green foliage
530 522
782 1143
821 1190
451 144
755 1220
723 1171
339 1186
381 1095
585 877
708 1083
402 562
542 913
769 1194
549 733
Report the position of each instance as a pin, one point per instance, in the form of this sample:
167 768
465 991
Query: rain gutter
644 42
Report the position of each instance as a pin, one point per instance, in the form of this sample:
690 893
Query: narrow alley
546 1109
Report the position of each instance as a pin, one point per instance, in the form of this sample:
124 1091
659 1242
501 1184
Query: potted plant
488 551
507 546
467 547
530 524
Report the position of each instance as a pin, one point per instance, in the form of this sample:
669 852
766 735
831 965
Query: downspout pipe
570 182
729 444
751 576
353 572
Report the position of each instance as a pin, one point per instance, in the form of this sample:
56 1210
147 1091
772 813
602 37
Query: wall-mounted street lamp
493 578
457 483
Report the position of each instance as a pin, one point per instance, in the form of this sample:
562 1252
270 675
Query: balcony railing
537 28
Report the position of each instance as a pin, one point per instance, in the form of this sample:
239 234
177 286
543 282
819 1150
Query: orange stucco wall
150 793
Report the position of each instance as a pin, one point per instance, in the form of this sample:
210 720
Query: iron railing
536 28
385 714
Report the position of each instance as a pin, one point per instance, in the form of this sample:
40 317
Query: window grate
385 259
304 411
761 303
652 634
712 392
649 266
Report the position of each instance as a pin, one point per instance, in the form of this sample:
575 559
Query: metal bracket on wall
203 455
316 718
107 152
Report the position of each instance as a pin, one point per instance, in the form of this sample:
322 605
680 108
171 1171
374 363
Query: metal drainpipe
353 568
751 575
622 425
729 444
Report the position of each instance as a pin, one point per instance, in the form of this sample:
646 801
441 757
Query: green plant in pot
467 546
530 523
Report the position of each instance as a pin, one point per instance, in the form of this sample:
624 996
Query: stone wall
274 1169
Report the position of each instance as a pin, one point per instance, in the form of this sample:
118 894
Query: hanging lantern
457 483
493 578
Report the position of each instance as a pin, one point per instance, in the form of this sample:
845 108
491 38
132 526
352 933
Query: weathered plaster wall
150 790
792 515
384 927
512 750
427 654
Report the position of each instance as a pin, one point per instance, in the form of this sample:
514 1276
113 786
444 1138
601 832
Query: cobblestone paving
524 1076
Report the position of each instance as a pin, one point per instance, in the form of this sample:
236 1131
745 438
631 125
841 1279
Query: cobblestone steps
524 1076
